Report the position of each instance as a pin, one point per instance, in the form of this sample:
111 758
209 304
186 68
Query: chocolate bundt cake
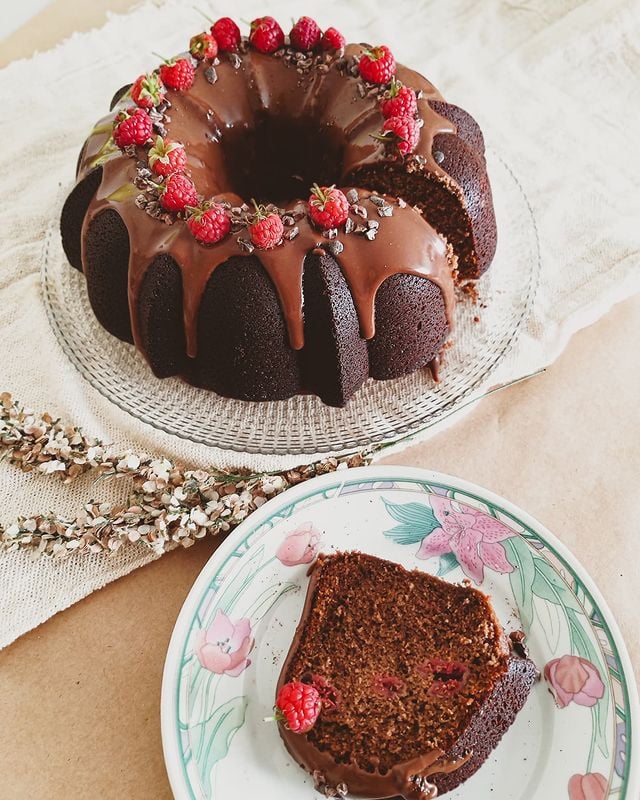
408 682
267 216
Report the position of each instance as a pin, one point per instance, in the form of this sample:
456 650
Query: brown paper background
79 696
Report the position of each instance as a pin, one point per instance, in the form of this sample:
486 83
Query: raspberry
147 91
166 157
399 101
377 65
266 229
403 132
305 34
332 39
298 706
178 73
178 193
132 127
328 207
203 46
227 34
266 35
209 222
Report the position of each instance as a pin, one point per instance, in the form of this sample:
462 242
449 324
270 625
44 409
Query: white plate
217 690
380 411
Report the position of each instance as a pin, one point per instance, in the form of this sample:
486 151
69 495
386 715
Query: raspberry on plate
305 34
147 90
167 156
132 127
226 34
266 230
266 35
209 222
328 206
178 73
178 193
298 705
377 65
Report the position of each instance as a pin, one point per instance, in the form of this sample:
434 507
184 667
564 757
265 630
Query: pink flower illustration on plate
574 679
471 535
300 546
223 648
592 786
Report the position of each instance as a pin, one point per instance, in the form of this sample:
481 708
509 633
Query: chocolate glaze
400 781
201 119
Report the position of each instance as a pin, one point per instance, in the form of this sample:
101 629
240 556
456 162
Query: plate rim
376 473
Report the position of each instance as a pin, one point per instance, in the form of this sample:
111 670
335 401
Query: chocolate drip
199 118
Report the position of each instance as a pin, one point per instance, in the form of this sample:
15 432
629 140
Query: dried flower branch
169 506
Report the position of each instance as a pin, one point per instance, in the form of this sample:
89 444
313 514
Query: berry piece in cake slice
298 705
399 101
166 157
266 228
403 133
377 65
132 127
266 35
226 34
332 39
328 207
147 90
305 34
203 46
178 193
178 73
209 222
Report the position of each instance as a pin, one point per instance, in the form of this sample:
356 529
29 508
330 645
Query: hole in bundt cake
278 159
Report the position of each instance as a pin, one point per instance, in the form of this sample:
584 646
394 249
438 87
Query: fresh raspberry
399 101
178 193
178 73
266 229
266 35
147 91
203 46
332 39
166 157
132 127
305 34
328 207
298 706
377 65
226 34
209 222
403 132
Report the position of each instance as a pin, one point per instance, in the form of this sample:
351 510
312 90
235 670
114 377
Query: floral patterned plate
572 741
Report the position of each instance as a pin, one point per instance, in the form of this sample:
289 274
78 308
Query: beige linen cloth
555 86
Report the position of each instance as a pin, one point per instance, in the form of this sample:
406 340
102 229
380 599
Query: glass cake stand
382 411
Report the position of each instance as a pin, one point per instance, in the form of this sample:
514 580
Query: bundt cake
266 217
397 683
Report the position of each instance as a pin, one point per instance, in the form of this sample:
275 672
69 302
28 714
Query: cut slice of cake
416 679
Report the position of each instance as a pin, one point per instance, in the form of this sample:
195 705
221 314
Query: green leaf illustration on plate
448 562
521 579
417 520
222 726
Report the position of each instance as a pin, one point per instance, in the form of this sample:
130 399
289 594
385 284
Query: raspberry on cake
352 281
425 679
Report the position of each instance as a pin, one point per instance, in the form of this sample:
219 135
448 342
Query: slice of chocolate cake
416 678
